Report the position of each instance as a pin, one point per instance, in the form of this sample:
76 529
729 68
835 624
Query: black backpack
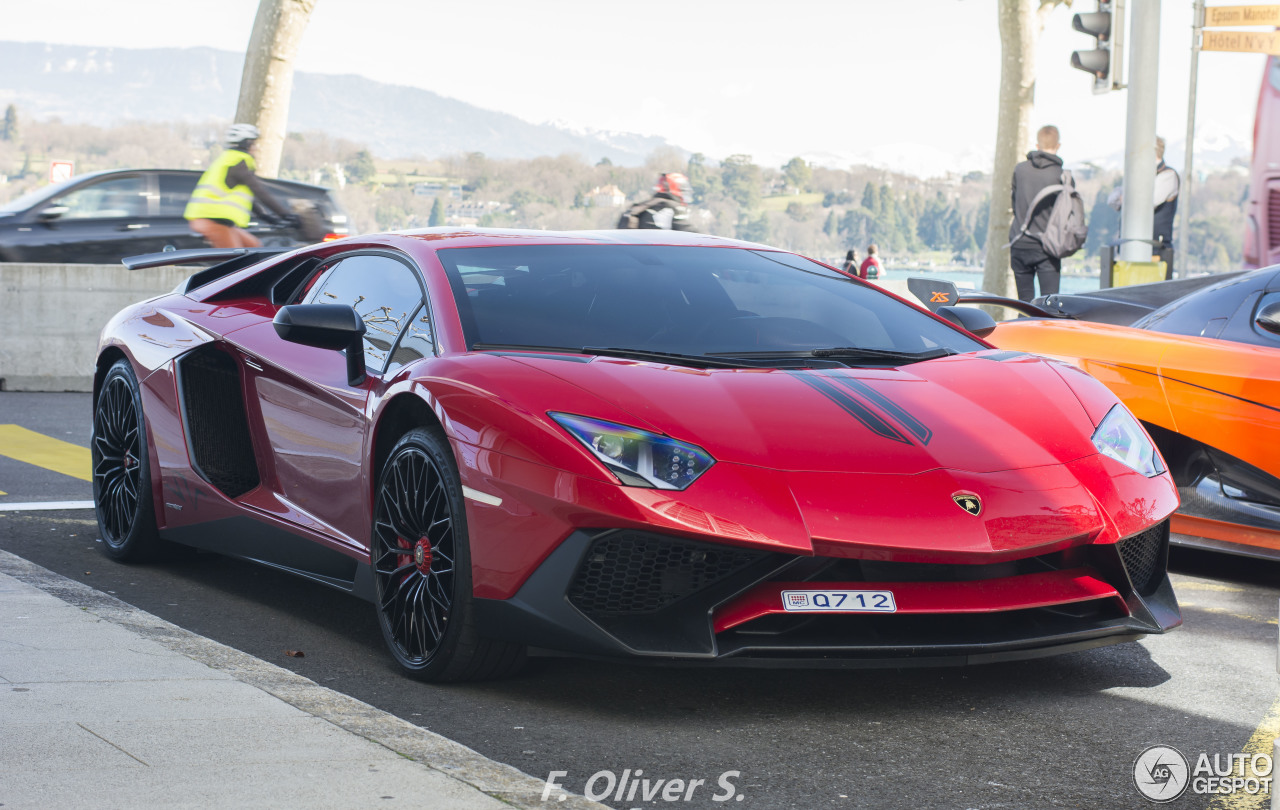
1066 231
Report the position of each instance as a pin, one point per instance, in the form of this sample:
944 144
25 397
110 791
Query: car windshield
31 198
690 301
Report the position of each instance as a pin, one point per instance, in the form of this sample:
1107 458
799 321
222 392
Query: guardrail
51 316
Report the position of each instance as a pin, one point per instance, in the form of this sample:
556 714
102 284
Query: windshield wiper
849 353
705 360
629 354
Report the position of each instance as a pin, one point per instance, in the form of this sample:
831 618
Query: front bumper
624 593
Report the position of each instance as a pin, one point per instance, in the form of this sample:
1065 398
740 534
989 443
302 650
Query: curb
502 782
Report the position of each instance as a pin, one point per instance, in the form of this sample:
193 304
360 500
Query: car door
310 420
169 227
100 222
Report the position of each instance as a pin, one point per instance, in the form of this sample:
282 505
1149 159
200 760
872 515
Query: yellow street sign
1241 42
1217 16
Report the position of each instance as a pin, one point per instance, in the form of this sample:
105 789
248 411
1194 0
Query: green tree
831 225
756 230
871 198
437 213
741 180
361 169
705 182
9 129
798 173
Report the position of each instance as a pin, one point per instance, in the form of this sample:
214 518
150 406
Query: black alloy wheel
422 567
121 469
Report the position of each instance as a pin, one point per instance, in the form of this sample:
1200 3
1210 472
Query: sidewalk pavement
103 705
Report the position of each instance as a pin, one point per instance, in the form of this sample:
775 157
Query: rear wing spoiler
935 294
197 256
229 260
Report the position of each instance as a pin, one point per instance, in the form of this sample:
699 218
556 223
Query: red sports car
640 444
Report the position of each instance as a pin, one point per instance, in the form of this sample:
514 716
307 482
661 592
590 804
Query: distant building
435 189
609 196
469 212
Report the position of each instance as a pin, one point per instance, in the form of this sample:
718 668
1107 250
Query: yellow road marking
1260 743
1193 585
1223 612
44 451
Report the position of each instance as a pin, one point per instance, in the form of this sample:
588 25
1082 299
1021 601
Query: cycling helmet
675 185
237 134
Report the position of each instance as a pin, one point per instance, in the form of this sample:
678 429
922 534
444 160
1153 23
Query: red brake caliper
419 553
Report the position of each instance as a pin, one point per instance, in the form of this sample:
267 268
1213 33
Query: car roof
195 173
450 237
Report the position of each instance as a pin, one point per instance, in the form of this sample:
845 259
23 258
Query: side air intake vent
217 429
629 573
1145 557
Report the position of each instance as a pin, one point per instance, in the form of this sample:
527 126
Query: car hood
981 413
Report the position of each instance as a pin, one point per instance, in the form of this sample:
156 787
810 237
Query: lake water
962 278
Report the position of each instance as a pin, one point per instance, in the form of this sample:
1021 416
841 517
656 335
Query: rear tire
122 470
421 560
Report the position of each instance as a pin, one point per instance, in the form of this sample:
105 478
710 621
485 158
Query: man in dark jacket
667 209
1030 261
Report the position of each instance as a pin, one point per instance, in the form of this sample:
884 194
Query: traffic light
1106 25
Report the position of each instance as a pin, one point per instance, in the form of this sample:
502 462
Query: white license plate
839 601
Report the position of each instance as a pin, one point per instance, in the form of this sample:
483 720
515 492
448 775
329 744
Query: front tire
421 560
122 469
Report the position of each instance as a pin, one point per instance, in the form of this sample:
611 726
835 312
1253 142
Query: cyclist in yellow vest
222 204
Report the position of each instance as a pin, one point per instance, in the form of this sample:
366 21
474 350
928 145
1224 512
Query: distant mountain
105 86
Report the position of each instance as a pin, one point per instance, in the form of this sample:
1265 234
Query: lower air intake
217 427
1144 557
627 573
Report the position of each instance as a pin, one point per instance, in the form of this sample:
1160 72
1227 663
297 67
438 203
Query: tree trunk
1021 22
267 81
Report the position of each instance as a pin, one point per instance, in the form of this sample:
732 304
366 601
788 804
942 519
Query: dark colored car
631 444
1198 361
101 218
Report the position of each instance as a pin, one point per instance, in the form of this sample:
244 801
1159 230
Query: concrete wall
51 315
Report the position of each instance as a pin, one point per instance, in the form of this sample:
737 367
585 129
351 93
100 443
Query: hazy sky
770 79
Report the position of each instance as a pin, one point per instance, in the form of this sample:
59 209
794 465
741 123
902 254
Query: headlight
637 457
1121 437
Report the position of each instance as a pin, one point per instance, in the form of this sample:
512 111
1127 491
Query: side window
383 290
418 340
119 197
175 192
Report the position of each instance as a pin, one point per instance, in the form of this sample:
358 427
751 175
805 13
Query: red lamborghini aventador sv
629 444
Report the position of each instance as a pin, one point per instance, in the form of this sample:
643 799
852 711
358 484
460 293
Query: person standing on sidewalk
871 266
1167 186
221 206
1029 259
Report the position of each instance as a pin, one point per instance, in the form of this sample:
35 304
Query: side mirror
326 326
1269 318
970 319
52 212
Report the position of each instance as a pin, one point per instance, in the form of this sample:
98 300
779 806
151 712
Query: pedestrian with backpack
1048 218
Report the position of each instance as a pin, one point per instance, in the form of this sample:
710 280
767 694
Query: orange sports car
1198 362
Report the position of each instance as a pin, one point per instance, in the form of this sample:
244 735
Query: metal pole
1138 214
1181 258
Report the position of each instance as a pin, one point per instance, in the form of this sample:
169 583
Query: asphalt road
1059 732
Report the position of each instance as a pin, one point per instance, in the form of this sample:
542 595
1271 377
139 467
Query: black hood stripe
870 419
913 425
